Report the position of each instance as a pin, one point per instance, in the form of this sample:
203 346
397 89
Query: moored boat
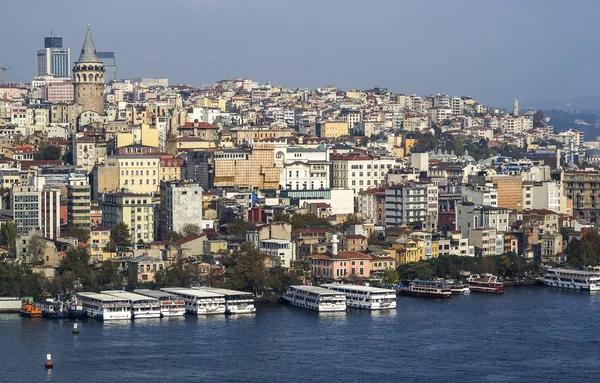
485 283
582 280
315 298
365 297
75 308
427 289
10 304
51 308
29 310
459 288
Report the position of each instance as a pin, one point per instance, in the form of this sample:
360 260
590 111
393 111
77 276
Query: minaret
334 244
516 107
89 78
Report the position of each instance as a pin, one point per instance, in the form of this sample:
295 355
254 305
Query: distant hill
587 122
576 104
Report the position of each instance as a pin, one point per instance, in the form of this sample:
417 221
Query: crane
4 69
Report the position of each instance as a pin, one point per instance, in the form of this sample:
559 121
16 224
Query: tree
425 143
539 119
309 219
19 281
390 277
82 235
350 220
247 270
191 229
172 236
120 235
9 235
109 276
48 152
74 272
279 279
35 250
239 227
179 274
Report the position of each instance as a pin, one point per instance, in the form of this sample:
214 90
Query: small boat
486 283
459 288
52 308
428 289
75 308
29 310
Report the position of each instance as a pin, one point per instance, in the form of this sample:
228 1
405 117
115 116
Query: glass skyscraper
110 65
53 59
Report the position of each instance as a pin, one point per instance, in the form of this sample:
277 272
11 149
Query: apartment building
134 209
583 188
359 170
79 201
484 241
331 129
36 209
413 204
371 205
180 204
470 216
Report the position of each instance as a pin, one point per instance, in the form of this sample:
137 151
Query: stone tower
516 107
89 78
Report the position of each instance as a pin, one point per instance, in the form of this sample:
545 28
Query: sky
494 51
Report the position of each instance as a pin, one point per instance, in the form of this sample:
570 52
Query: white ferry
364 297
142 307
199 302
236 302
171 305
316 298
104 306
572 279
10 304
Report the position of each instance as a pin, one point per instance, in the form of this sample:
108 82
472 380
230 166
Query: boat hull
314 307
422 294
570 285
29 314
487 289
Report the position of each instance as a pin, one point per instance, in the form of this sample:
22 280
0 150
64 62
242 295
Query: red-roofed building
359 170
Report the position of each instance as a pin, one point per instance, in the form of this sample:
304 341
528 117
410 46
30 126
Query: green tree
19 281
239 227
74 272
82 235
172 236
178 274
390 277
9 235
350 220
109 276
304 220
191 229
279 279
247 270
48 152
120 235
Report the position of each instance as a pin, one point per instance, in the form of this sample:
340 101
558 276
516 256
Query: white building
358 170
543 195
36 209
413 204
284 250
469 217
480 195
181 204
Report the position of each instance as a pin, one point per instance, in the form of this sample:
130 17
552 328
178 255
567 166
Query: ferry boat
315 298
428 289
486 283
105 307
141 306
52 308
236 302
171 305
75 308
365 297
28 309
199 302
572 279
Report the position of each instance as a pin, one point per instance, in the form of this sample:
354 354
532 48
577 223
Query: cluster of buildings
164 158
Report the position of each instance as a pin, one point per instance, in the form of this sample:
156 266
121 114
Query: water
530 334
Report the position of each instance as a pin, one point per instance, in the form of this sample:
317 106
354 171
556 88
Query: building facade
110 65
89 78
136 210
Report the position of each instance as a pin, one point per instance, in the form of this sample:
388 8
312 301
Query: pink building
342 265
59 91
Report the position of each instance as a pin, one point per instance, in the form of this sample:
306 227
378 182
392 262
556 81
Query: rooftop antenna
50 32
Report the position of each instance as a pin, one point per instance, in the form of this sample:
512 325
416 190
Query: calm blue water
530 334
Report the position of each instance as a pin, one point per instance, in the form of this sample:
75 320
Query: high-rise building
36 209
136 210
181 204
89 78
110 65
78 201
53 59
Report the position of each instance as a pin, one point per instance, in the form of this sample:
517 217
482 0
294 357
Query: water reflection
336 315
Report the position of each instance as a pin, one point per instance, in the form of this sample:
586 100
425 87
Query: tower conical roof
88 51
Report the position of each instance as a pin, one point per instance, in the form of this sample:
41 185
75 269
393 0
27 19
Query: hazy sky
491 50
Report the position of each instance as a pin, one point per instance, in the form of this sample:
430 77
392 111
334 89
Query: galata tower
89 78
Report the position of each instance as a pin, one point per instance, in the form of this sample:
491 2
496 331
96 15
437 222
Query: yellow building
138 174
143 134
178 145
331 129
170 168
99 239
218 103
134 209
409 143
409 250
